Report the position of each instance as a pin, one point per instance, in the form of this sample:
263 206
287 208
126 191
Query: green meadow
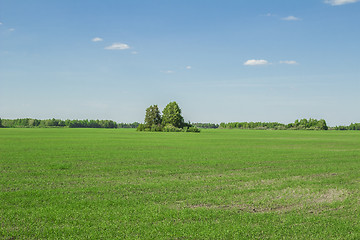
61 183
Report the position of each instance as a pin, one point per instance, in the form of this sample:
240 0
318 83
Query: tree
0 123
172 115
152 116
322 124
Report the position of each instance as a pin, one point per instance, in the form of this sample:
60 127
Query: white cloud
188 67
254 62
340 2
291 18
1 23
134 52
168 71
118 46
290 62
269 15
11 29
97 39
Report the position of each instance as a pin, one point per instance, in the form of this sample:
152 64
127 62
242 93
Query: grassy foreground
219 184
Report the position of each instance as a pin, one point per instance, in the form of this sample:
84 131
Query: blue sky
222 61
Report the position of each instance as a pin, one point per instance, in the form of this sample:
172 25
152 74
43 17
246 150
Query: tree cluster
171 120
311 124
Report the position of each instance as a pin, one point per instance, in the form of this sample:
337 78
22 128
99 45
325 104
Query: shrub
156 128
141 127
171 128
191 129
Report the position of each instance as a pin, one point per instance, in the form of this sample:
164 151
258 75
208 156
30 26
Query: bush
141 127
191 129
156 128
171 128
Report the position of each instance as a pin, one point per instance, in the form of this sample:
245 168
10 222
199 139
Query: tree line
352 126
206 125
30 123
300 124
155 122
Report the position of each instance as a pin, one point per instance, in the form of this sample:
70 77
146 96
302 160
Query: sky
220 60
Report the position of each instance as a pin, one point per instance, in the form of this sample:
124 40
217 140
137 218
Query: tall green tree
322 124
152 116
172 115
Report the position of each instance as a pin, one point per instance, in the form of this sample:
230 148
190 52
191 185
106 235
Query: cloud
168 71
291 18
97 39
11 29
289 62
269 15
134 52
254 62
188 67
118 46
1 23
339 2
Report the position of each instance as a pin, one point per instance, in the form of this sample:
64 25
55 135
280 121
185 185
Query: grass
219 184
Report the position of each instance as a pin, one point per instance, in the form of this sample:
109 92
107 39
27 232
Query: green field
219 184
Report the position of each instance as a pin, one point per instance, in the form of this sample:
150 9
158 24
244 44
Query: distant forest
302 124
29 122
